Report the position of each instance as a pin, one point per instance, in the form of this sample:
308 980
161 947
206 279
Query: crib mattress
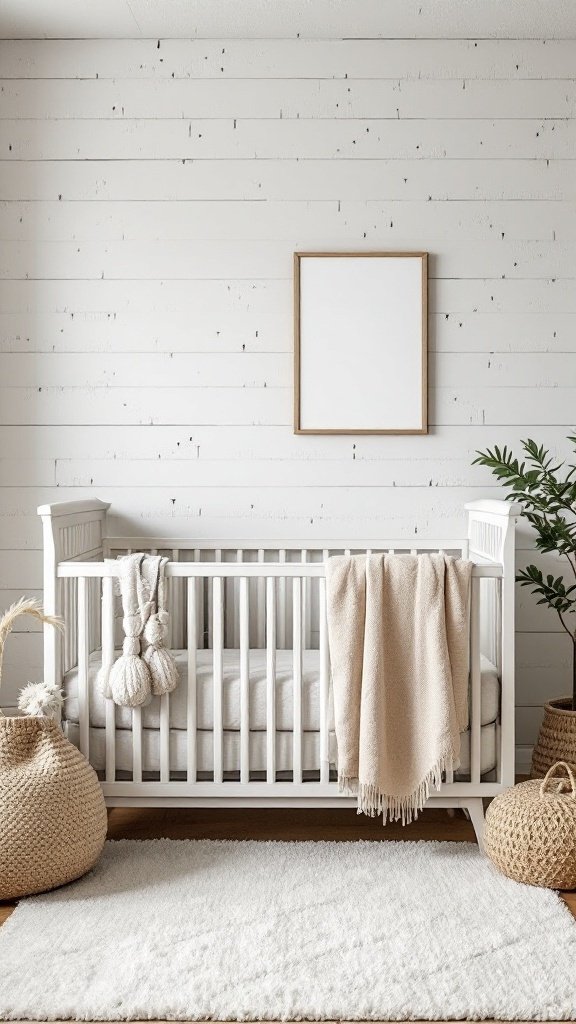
490 693
231 750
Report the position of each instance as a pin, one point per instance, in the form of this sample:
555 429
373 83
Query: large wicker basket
531 830
52 812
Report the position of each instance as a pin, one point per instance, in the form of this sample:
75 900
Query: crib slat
244 681
260 637
217 646
96 614
136 744
270 679
324 691
83 655
165 737
199 590
211 602
175 605
73 637
281 604
297 679
66 606
233 626
192 641
475 681
107 661
306 605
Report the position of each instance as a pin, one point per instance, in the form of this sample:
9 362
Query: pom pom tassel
40 700
162 664
129 680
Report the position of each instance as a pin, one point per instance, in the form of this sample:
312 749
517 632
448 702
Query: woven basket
530 830
556 739
52 812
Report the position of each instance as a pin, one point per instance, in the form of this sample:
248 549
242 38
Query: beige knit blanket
398 637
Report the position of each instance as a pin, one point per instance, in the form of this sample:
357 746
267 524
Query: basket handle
563 782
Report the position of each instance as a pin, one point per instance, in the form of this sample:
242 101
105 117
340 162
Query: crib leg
475 809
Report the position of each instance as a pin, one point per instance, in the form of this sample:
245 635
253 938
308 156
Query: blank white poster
361 343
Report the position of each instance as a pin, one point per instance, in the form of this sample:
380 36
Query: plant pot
556 739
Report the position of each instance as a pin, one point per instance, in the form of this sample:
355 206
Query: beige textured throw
398 636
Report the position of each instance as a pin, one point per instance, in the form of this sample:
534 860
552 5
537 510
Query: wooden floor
288 825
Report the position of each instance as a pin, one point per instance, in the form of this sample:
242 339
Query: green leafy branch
549 504
552 592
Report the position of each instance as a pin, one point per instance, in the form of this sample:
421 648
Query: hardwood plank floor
291 825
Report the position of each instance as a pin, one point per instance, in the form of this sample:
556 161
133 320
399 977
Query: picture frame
360 342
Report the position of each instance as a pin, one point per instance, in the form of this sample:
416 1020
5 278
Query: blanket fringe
372 801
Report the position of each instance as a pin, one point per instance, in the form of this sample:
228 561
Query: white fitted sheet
490 693
231 750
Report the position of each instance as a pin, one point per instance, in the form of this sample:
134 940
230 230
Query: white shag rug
281 931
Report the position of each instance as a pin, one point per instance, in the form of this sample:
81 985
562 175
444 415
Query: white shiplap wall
153 192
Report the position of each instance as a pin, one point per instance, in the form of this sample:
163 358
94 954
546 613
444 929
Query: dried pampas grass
48 696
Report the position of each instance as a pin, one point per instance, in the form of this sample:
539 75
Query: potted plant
549 504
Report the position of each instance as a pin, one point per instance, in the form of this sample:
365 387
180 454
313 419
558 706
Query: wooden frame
299 428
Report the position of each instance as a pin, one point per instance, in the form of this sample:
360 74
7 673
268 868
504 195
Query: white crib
250 723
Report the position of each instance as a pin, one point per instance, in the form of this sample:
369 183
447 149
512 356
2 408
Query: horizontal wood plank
288 58
298 20
287 138
194 260
287 98
209 180
316 225
266 369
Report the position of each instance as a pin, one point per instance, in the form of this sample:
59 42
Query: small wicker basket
531 830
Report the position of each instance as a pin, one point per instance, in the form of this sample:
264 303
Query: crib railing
275 582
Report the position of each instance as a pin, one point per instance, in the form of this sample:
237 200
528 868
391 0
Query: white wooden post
297 679
270 679
281 604
324 687
475 683
244 610
136 744
191 715
260 631
55 518
107 662
217 646
165 737
83 655
491 534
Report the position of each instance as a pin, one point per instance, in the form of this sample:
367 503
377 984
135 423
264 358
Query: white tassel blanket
398 636
146 667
